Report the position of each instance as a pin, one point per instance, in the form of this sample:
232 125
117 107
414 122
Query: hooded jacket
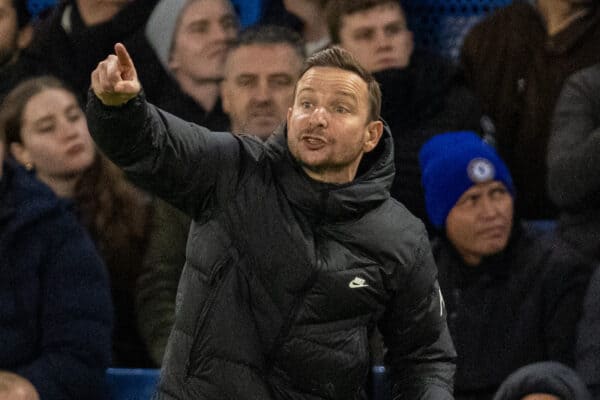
515 308
286 278
547 377
55 306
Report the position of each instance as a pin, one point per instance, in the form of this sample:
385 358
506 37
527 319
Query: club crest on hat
480 170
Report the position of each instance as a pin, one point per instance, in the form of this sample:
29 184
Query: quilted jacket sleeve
185 164
420 352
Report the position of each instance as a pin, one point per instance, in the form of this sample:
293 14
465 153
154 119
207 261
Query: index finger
123 56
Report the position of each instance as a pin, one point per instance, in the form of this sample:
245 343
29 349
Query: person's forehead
483 186
205 10
263 59
332 81
384 13
6 6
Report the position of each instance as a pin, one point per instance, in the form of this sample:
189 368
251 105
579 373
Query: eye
394 29
364 34
305 105
341 110
74 115
45 128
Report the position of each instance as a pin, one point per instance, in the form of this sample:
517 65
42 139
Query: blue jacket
55 307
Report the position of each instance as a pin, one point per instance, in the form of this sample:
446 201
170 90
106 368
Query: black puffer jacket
286 278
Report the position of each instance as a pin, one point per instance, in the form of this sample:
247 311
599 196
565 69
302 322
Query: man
260 72
258 88
513 298
77 34
182 53
15 35
290 265
516 61
422 94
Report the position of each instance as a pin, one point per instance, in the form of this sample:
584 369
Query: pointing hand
115 80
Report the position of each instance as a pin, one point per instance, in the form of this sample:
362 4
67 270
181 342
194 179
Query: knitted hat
160 28
453 162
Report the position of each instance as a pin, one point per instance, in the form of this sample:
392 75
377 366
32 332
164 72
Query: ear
225 96
372 135
289 116
20 153
24 37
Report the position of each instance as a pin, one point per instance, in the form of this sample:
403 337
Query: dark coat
515 308
286 278
55 306
517 71
426 98
573 157
588 341
63 46
547 377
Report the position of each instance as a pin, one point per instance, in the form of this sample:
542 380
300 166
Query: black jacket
573 154
515 308
286 278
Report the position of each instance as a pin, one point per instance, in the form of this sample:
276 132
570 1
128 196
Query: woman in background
47 132
55 305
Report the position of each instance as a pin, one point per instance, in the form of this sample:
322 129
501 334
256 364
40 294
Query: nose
318 118
488 207
262 93
68 129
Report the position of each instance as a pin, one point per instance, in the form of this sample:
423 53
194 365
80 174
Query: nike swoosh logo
357 283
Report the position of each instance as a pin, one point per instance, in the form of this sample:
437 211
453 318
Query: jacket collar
331 202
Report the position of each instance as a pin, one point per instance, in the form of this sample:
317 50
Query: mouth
313 142
75 149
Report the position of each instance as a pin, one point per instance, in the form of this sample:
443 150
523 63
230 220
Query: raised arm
187 165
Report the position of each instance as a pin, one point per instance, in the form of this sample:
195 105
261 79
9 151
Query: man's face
203 36
328 125
9 32
378 37
259 87
480 222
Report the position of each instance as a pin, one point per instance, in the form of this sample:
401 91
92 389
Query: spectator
543 381
588 345
289 269
258 88
75 36
181 55
513 298
55 318
422 94
15 35
307 17
47 133
260 73
572 155
516 61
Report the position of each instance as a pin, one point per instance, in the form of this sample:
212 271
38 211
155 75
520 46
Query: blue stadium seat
380 384
249 11
131 384
440 25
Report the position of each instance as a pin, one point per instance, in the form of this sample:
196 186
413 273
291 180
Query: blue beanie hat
453 162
